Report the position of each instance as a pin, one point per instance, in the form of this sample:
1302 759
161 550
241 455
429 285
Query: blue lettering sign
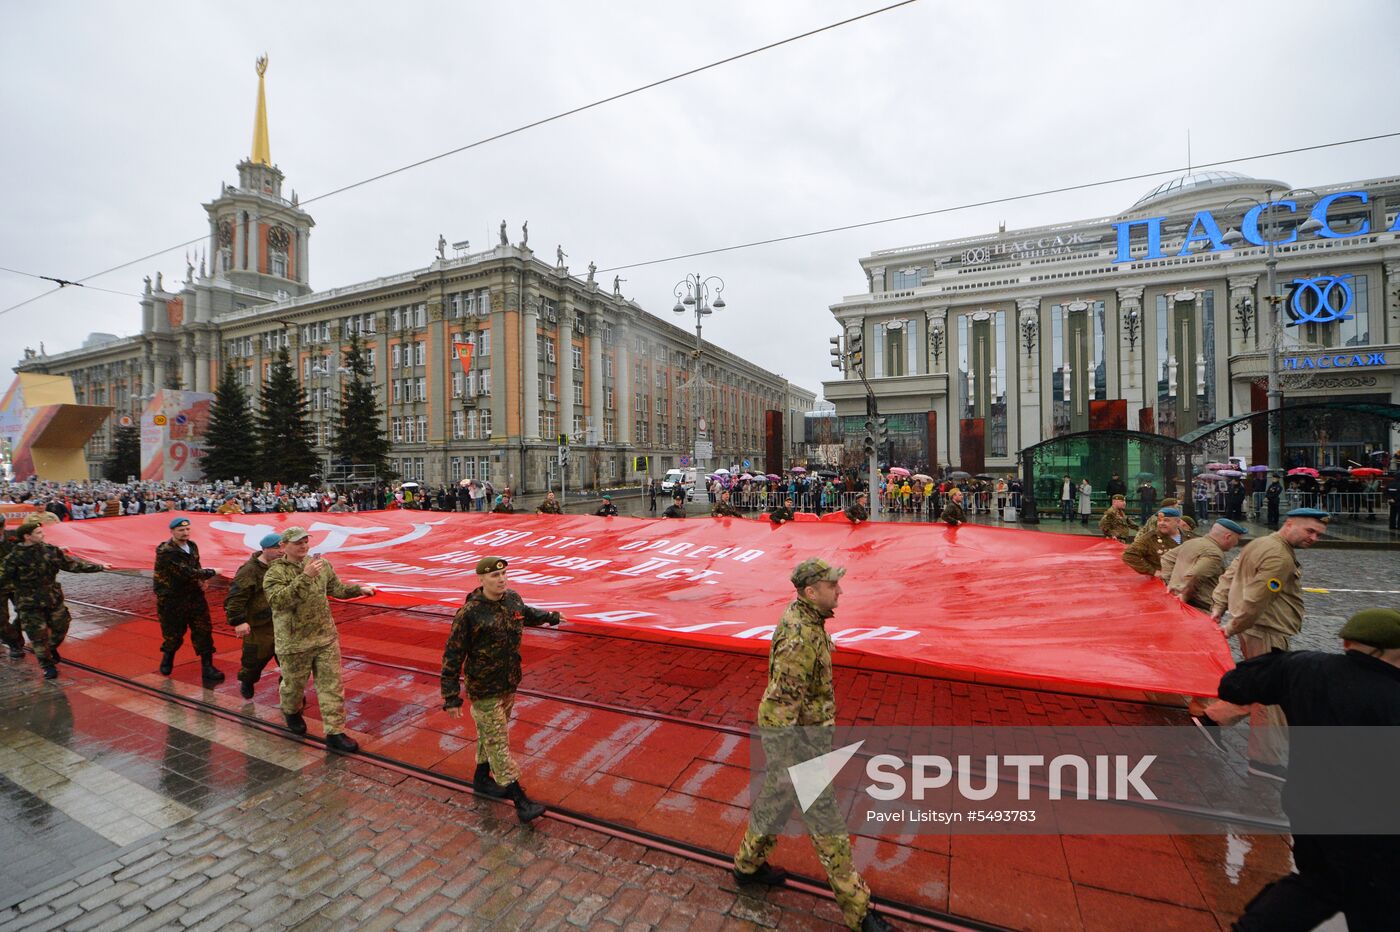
1341 361
1204 228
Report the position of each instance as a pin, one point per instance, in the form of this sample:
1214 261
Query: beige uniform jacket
1195 566
1263 588
301 615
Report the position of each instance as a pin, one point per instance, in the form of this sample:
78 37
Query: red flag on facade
463 352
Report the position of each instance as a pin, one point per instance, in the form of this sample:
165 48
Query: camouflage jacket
953 513
799 671
30 575
674 510
857 513
178 574
246 602
301 615
485 640
724 510
780 514
606 510
549 508
503 508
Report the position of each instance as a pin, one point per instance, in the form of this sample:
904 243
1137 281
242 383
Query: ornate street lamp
693 293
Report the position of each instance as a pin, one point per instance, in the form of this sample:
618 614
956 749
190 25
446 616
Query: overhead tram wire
510 132
998 200
1084 186
61 284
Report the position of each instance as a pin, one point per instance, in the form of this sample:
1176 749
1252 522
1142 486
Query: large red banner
1024 605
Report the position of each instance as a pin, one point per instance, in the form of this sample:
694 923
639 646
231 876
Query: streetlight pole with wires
693 293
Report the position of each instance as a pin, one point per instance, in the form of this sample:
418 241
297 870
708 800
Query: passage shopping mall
553 353
1153 320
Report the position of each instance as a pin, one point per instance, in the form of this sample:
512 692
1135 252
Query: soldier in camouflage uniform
180 601
550 505
781 513
1115 522
247 611
30 574
724 508
485 639
304 635
858 511
9 630
1144 554
795 715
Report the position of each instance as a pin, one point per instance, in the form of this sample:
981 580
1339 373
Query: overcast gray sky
120 120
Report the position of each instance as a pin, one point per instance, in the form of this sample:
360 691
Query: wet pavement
135 810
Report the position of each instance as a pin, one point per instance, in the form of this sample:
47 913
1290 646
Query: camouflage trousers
492 717
257 651
824 825
323 665
177 616
46 631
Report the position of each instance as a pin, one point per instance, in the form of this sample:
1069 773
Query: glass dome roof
1189 182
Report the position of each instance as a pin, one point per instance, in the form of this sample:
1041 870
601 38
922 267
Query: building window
549 388
608 399
578 392
397 427
484 468
420 353
608 431
906 278
485 423
483 343
485 381
422 389
395 320
459 424
576 352
422 429
420 318
578 427
396 355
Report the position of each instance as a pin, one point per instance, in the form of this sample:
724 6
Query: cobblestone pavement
336 843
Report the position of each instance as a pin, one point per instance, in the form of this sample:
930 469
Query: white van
686 477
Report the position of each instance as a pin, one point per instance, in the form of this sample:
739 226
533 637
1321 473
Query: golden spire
262 153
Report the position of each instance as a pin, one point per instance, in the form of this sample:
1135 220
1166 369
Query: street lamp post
693 292
1275 329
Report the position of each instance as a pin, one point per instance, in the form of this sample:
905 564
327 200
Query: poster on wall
173 426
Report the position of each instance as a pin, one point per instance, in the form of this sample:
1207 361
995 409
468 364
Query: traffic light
835 352
855 348
640 464
882 431
868 442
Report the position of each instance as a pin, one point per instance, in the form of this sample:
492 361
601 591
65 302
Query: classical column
622 380
201 366
158 370
1132 335
1392 307
936 348
564 366
596 413
301 258
1242 288
188 369
439 359
1025 343
530 364
500 386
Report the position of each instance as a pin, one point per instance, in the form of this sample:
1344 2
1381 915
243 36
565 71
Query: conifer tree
359 431
231 441
126 455
285 453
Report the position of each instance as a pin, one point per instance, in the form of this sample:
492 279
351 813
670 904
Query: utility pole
876 429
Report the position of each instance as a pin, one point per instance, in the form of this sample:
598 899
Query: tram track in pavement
913 913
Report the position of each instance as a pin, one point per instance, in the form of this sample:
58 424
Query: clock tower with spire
259 239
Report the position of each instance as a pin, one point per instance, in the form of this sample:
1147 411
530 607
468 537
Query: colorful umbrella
1258 469
772 477
1334 471
959 474
1231 473
1215 466
898 471
721 472
1303 471
1208 477
921 477
797 469
1367 472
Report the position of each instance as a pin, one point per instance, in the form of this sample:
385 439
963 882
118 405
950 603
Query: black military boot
16 653
53 652
526 810
873 923
483 783
167 662
211 674
342 743
295 723
245 689
765 874
51 673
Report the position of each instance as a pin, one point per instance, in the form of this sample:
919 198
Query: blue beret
1317 513
1170 512
177 522
1229 525
270 540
